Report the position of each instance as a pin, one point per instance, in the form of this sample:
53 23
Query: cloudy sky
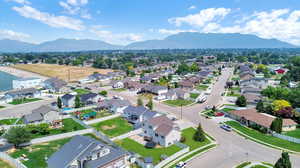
126 21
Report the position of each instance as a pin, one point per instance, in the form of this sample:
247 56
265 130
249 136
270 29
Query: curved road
232 149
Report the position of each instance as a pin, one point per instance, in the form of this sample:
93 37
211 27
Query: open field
61 71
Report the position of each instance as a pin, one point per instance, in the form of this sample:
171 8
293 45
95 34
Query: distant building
23 93
25 83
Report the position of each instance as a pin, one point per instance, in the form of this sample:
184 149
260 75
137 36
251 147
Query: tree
103 93
194 67
17 136
241 101
140 102
77 101
150 104
59 103
199 134
280 104
286 112
260 106
277 125
284 161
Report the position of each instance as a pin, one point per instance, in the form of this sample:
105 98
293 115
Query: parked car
207 108
181 165
226 127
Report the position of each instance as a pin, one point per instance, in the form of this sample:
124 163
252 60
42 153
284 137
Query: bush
182 139
17 136
103 93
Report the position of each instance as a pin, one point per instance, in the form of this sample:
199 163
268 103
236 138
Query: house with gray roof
86 152
114 105
154 89
23 93
43 114
68 100
177 93
55 85
138 114
161 130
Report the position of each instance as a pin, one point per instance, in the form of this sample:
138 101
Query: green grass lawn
100 114
264 137
155 153
4 164
201 87
194 95
295 133
69 125
178 102
81 91
113 127
188 134
8 121
36 153
119 89
259 166
243 165
23 101
227 109
233 94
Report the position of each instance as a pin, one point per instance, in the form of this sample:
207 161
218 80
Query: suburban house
246 89
161 130
177 93
186 84
246 75
261 83
116 84
90 98
280 71
252 98
138 114
23 93
84 152
244 68
154 89
25 83
43 114
68 100
99 77
114 105
55 85
251 117
133 85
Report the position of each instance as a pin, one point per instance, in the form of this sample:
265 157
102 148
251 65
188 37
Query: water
6 81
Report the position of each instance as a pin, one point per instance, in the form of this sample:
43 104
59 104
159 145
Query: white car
181 165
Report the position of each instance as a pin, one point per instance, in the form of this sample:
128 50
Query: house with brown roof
186 84
162 131
252 98
252 117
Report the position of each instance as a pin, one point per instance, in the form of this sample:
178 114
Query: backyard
81 91
4 164
114 127
23 101
91 114
258 136
155 153
178 102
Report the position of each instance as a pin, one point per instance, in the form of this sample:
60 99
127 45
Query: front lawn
201 87
4 164
295 133
178 102
114 127
69 125
119 89
81 91
189 141
194 95
155 153
227 109
23 101
8 121
36 153
264 137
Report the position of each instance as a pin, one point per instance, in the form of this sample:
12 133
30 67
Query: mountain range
188 40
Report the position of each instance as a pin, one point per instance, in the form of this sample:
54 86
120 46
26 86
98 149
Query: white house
25 83
162 131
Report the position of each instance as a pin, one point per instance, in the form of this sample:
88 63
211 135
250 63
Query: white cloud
24 2
116 38
9 34
202 18
192 7
173 31
74 7
50 19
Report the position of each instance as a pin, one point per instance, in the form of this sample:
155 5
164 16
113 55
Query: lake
6 81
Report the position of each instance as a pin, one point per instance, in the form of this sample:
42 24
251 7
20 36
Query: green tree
260 106
194 67
77 101
199 134
277 125
59 103
103 93
241 101
17 136
284 161
150 104
140 102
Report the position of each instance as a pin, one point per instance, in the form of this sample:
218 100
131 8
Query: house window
162 137
145 132
156 134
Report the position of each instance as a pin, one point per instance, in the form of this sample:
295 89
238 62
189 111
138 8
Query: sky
126 21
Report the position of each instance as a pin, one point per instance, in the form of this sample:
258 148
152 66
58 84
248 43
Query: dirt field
61 71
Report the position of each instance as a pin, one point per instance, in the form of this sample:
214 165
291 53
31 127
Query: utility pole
181 111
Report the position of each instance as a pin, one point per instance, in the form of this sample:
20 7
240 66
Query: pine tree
199 134
77 102
284 161
260 106
277 125
140 102
241 101
150 104
59 103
